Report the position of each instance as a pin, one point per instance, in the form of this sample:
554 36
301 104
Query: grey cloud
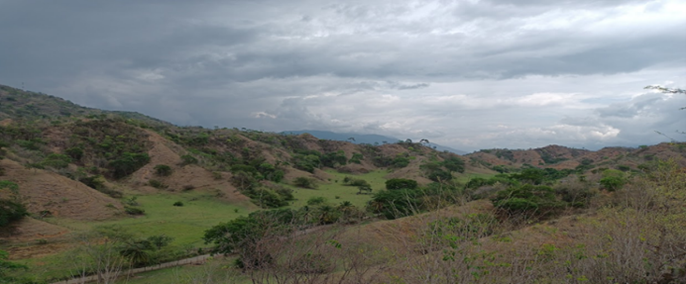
451 69
400 86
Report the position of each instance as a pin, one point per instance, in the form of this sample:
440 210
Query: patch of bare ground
354 169
5 122
411 171
61 196
391 150
29 238
188 177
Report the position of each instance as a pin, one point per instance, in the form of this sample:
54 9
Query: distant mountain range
366 139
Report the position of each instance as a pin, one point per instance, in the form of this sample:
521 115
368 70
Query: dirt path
193 260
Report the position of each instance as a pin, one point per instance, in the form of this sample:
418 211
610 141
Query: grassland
335 192
186 224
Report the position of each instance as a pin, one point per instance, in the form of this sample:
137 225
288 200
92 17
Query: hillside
78 170
74 164
560 157
373 139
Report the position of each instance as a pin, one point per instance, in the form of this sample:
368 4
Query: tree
128 163
245 236
305 182
11 209
612 179
163 170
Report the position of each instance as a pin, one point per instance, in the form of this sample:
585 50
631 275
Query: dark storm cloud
383 66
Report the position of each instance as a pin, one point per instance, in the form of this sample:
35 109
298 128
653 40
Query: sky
469 74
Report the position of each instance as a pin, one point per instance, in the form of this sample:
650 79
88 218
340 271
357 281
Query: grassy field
187 223
336 192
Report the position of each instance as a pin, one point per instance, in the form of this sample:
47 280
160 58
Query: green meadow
335 192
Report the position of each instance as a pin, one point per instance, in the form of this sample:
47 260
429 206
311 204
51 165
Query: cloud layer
468 74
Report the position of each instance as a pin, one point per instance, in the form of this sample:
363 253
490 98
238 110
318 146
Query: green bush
394 204
178 204
316 200
75 153
57 161
305 182
401 183
355 182
307 161
453 164
188 160
334 159
163 170
128 163
528 201
11 211
267 198
612 179
134 210
400 162
95 182
356 158
285 192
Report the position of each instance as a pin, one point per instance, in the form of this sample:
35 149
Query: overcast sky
467 74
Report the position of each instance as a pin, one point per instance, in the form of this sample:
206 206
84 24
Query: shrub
334 159
528 201
163 170
57 161
267 198
396 203
97 182
454 164
188 160
401 183
307 162
178 204
358 183
356 158
305 182
11 211
128 163
576 193
400 162
157 184
624 168
216 175
317 200
134 210
285 192
75 153
612 179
